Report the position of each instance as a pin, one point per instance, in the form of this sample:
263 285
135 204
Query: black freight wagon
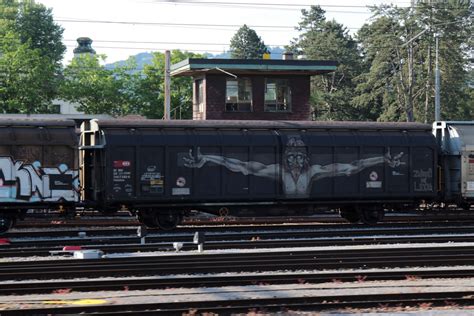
162 169
38 167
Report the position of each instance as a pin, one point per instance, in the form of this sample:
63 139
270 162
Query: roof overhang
201 66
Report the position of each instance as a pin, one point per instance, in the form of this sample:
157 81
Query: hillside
145 58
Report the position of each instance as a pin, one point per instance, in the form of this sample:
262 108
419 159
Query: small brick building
251 89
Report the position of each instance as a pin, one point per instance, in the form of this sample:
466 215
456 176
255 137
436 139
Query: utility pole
428 85
428 74
408 90
167 110
437 82
437 73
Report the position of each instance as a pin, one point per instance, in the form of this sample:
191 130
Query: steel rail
323 229
108 246
275 304
241 262
193 281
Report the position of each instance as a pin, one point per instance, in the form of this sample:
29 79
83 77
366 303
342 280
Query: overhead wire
262 4
171 24
267 5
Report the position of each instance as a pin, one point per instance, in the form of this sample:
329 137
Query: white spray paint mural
297 174
20 182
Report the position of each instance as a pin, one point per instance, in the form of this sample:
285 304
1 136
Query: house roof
199 66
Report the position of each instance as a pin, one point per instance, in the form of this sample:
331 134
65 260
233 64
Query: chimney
287 55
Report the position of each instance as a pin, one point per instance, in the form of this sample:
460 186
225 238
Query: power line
401 4
277 7
168 24
276 28
153 48
163 43
192 49
260 4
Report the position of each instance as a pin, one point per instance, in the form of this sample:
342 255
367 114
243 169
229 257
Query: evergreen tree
452 21
246 44
399 46
331 93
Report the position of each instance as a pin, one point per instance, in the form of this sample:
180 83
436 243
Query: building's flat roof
196 66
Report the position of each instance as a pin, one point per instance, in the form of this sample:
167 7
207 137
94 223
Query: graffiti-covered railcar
164 168
38 166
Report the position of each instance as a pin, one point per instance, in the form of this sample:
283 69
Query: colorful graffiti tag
21 182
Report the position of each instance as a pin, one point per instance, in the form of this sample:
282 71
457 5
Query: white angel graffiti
297 174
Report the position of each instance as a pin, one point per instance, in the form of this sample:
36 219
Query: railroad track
255 228
217 242
280 302
377 257
318 290
245 279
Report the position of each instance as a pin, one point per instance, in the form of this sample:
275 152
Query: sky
122 28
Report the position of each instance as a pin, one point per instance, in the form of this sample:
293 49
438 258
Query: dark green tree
399 47
382 87
98 90
24 77
151 88
8 13
125 90
30 54
246 44
453 22
35 26
331 94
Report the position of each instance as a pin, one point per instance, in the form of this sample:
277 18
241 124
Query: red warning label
121 163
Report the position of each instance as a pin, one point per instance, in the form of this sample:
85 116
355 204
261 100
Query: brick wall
215 86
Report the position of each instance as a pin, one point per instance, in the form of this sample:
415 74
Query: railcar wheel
350 216
6 222
149 222
147 217
371 216
168 221
465 206
223 211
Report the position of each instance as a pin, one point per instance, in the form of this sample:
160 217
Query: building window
277 95
200 95
238 95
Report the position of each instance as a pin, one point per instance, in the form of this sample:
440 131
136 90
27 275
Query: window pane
245 90
232 90
277 95
239 95
270 92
